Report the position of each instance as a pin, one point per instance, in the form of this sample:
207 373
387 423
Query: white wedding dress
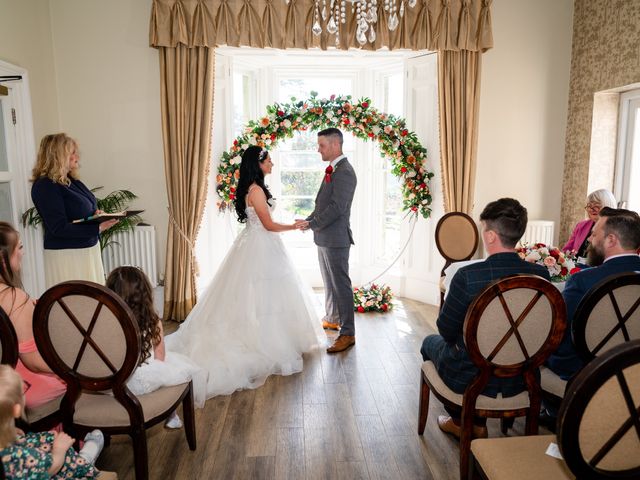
255 319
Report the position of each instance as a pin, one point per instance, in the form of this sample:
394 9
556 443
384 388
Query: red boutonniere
327 173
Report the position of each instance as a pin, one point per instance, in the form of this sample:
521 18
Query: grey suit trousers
334 266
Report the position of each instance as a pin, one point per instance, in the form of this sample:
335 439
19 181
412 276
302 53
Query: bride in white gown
256 318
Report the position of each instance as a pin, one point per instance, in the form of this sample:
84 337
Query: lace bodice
253 220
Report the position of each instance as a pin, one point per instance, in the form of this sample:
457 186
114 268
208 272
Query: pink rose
549 261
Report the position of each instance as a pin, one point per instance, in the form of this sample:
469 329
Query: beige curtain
431 25
186 89
187 31
458 93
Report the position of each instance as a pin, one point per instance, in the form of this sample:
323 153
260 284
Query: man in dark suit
616 238
332 234
503 223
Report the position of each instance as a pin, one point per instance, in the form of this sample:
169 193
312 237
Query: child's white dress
174 370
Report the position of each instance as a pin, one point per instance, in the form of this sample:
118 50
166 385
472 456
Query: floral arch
395 142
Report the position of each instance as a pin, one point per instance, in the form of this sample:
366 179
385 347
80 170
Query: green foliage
116 201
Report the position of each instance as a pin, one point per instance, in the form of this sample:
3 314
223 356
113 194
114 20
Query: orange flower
218 178
236 174
347 107
264 121
411 159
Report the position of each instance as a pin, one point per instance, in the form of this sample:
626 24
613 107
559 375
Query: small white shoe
93 445
173 421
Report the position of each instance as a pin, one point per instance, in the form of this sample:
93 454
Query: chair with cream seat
509 330
598 428
609 314
89 337
457 240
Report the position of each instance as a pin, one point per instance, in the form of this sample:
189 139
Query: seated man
503 223
615 238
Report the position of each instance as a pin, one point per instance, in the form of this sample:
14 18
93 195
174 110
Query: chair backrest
512 327
609 314
599 419
456 237
8 341
88 335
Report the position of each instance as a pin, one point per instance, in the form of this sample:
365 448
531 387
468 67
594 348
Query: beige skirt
73 264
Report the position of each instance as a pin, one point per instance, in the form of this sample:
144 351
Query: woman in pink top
579 240
41 384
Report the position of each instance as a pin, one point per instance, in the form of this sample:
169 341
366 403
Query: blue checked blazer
453 363
565 361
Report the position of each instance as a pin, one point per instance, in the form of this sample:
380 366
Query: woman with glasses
579 240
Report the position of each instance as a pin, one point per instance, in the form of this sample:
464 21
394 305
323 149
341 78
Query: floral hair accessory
263 154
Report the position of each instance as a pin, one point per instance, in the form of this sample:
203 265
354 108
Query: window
627 177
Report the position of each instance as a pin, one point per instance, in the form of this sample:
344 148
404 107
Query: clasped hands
301 224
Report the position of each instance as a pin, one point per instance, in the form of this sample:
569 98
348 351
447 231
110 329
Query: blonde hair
10 396
53 158
603 197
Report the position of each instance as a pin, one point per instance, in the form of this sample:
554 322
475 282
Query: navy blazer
565 361
59 205
454 365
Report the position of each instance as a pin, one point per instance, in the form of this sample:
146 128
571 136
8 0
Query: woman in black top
71 250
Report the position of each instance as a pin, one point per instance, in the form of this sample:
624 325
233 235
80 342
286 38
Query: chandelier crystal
333 14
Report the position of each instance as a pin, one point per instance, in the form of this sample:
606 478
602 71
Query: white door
422 260
17 156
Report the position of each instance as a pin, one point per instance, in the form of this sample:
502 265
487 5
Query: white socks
173 421
93 443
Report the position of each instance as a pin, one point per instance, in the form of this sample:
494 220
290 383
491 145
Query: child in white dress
158 368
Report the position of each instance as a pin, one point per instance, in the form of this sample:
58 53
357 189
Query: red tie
327 173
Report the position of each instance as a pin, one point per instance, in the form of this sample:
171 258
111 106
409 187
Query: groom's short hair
333 133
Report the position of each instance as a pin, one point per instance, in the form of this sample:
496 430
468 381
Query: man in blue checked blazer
503 223
616 239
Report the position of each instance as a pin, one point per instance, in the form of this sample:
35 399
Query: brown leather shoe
342 343
447 425
330 326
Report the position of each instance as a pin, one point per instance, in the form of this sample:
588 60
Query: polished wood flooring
351 415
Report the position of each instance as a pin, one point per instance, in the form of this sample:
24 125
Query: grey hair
603 197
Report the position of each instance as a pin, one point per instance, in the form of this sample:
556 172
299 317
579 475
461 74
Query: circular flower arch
395 141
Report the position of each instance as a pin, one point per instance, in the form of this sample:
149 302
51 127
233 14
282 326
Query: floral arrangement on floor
282 120
561 265
374 298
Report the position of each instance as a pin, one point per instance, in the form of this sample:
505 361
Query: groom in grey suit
332 234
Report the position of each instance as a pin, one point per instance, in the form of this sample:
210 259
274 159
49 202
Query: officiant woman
71 250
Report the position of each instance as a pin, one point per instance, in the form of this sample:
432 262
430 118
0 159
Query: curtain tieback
194 260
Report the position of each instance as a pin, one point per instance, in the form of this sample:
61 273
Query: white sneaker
173 421
93 445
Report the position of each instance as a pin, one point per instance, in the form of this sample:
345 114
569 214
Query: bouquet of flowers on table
374 298
561 265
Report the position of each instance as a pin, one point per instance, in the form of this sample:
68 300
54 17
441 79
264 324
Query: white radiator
136 248
539 231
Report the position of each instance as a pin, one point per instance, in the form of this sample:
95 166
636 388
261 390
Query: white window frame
624 156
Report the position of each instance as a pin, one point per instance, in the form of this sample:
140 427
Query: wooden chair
598 433
509 330
91 340
609 314
36 419
456 240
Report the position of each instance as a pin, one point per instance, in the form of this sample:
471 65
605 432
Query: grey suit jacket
330 217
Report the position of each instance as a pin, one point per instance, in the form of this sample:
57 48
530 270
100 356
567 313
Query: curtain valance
442 25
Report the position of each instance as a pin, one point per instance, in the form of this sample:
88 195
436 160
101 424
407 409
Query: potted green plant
116 201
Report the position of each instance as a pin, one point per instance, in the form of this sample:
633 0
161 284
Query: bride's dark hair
250 173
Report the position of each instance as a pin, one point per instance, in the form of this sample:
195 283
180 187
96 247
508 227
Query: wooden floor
351 415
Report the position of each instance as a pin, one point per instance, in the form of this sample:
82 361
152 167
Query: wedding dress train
255 318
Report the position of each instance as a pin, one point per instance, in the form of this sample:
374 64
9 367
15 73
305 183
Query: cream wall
109 99
25 41
523 106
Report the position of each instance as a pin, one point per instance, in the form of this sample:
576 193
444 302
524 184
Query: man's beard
595 256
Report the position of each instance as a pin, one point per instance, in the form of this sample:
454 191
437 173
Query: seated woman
41 385
579 240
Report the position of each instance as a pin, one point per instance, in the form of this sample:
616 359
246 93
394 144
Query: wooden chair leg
140 454
189 418
466 435
423 409
531 425
505 424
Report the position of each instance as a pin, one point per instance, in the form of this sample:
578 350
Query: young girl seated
42 454
157 368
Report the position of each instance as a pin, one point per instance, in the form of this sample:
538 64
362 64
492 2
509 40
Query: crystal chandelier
366 12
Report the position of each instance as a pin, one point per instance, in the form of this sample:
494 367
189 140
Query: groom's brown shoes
342 343
330 326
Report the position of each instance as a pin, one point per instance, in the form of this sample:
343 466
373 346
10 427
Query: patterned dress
29 458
